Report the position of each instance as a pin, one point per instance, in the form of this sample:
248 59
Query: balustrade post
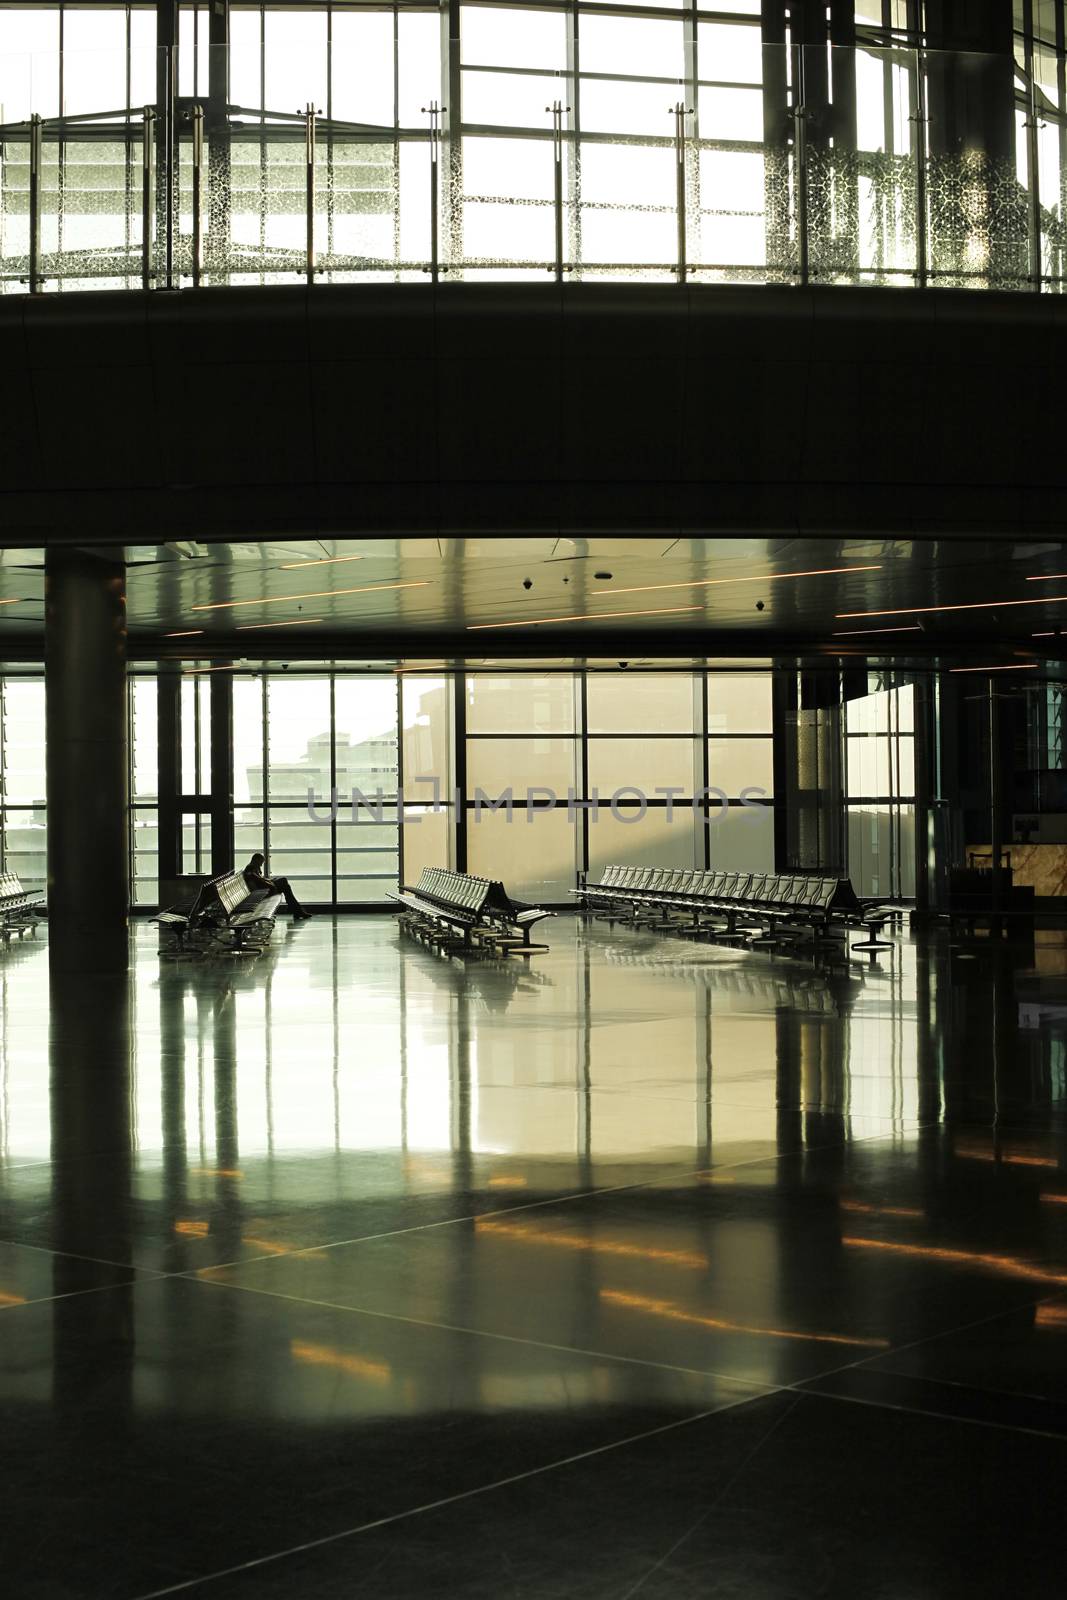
36 165
309 153
680 111
433 111
148 198
556 110
198 192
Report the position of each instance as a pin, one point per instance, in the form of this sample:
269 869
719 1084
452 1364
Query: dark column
85 733
221 691
169 777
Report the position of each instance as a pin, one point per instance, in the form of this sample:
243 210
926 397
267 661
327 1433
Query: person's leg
292 904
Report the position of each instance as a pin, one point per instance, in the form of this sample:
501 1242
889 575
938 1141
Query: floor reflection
375 1228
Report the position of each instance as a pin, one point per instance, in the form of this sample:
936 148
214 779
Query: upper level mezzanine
745 141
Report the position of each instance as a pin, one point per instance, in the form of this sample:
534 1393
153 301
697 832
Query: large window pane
496 765
426 718
365 739
23 748
644 764
739 702
498 36
632 840
636 702
736 764
742 838
532 853
642 46
521 704
144 716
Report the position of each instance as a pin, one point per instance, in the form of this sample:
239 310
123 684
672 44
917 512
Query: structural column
85 733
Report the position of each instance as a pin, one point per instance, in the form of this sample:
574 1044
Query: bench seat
470 912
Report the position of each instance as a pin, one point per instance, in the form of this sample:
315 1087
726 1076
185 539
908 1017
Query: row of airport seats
743 907
225 916
456 910
20 909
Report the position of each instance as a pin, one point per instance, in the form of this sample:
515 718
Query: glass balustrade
736 163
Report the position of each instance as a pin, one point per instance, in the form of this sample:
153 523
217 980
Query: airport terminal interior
533 800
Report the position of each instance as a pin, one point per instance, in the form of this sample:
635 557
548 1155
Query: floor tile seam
491 1333
71 1294
933 1338
968 1388
532 1205
717 1498
454 1499
931 1415
75 1255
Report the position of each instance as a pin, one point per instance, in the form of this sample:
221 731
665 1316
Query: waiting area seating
750 908
457 911
223 918
20 909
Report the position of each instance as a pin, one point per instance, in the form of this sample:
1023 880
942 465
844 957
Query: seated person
254 879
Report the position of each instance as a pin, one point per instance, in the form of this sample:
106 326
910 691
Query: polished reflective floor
643 1270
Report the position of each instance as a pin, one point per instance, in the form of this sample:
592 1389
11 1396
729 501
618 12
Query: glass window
636 702
534 853
643 46
295 60
23 741
496 765
626 838
426 718
739 702
361 66
741 838
94 60
498 36
736 764
418 66
524 704
144 718
644 764
29 61
729 52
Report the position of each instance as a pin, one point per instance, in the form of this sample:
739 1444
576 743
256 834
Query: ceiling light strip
760 577
589 616
318 594
185 633
854 633
321 561
1018 666
296 622
973 605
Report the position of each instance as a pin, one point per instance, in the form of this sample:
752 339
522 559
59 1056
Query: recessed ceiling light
318 594
186 633
1047 577
589 616
973 605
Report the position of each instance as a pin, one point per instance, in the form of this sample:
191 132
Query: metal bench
751 908
20 909
455 910
224 917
